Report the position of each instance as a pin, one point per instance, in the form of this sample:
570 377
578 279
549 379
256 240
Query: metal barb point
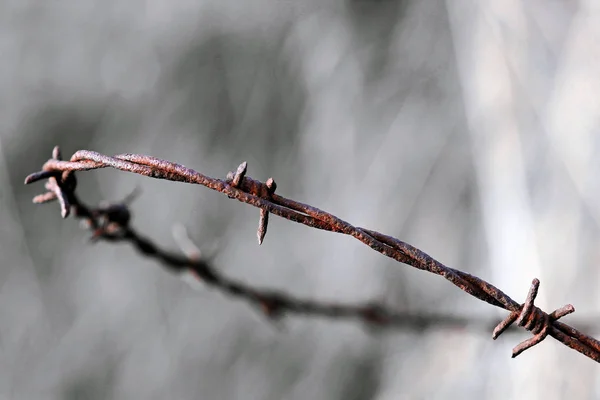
263 221
532 319
239 174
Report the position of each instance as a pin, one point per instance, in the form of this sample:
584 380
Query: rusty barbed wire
112 223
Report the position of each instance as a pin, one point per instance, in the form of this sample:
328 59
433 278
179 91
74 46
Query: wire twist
112 223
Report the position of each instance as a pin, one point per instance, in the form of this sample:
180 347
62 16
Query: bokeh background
469 129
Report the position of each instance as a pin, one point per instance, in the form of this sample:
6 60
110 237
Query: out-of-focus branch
112 223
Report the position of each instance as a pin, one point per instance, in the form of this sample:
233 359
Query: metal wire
112 223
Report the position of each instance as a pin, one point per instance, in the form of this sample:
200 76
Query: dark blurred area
467 129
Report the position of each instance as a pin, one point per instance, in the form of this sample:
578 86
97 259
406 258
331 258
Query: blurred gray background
469 129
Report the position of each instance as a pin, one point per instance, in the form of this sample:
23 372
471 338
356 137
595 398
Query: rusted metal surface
112 223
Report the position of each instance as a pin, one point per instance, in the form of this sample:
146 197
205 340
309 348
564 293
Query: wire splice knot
264 190
533 319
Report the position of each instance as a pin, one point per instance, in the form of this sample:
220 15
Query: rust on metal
112 223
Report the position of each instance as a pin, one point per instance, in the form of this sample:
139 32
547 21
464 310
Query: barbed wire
111 222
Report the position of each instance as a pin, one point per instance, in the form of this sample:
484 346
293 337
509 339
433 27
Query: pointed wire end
566 310
36 176
65 211
529 343
238 177
497 332
44 198
504 325
561 312
56 153
518 350
263 223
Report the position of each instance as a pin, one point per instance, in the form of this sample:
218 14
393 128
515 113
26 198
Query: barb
112 223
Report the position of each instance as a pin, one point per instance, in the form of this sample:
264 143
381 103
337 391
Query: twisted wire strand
61 185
